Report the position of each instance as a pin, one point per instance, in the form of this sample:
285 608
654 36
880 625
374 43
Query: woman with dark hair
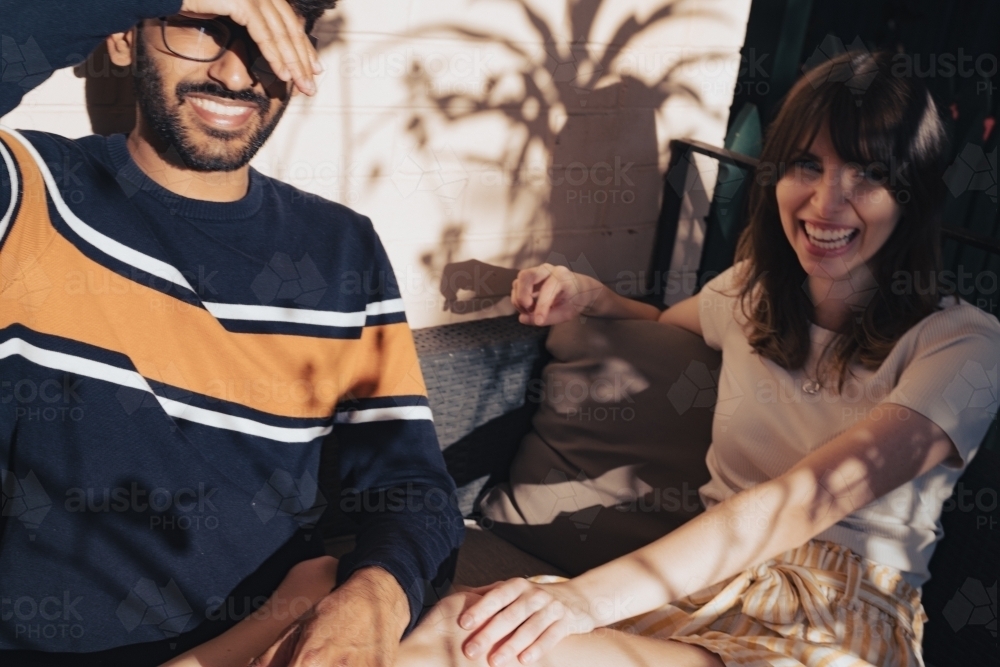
854 418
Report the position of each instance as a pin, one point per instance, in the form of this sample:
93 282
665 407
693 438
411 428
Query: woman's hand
521 619
547 294
278 32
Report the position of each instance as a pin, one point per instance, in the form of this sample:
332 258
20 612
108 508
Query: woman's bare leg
304 585
437 642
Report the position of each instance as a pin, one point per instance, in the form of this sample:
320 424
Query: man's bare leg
305 584
437 642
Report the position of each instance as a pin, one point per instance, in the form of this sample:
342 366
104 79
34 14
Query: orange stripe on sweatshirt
48 285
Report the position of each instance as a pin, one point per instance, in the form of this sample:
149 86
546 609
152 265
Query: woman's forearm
744 530
609 305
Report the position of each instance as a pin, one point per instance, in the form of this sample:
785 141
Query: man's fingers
262 35
273 26
282 43
307 55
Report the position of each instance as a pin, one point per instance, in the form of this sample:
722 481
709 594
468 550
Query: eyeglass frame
236 31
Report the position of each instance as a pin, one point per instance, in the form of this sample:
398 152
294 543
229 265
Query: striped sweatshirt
169 368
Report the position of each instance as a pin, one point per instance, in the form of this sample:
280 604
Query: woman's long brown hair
874 117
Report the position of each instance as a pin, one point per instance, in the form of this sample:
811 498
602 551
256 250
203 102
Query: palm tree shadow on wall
110 93
579 103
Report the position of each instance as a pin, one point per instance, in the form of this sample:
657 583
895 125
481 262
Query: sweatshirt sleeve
38 37
394 483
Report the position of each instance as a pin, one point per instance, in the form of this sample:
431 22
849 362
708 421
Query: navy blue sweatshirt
169 368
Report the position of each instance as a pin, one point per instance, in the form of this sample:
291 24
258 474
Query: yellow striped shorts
819 605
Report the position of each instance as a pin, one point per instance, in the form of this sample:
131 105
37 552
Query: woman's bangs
862 134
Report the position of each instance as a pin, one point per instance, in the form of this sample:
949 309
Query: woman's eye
869 178
807 169
876 176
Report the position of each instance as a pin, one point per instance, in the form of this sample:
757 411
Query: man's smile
223 114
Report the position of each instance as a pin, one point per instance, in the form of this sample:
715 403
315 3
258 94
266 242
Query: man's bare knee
310 576
443 616
438 635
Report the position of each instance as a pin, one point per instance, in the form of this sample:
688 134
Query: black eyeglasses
206 40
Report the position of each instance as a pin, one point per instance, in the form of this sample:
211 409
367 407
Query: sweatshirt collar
132 179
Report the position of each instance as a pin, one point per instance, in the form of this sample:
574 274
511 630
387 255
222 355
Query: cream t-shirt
767 418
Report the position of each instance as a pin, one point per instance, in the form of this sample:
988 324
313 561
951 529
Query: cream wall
507 131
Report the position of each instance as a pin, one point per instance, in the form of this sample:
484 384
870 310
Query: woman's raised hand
520 619
547 294
275 28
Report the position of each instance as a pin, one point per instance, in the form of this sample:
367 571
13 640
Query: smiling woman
841 419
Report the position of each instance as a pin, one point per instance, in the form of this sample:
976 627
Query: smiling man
178 335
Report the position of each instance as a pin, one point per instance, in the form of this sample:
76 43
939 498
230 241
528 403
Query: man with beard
178 335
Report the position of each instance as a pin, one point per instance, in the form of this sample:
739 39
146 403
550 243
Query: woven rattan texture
476 371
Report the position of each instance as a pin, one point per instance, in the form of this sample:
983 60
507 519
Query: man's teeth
216 108
829 239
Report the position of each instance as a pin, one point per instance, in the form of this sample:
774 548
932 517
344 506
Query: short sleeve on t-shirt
952 376
716 302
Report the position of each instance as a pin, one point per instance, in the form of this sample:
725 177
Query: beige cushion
617 449
485 558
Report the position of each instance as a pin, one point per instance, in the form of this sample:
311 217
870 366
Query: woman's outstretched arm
861 464
547 294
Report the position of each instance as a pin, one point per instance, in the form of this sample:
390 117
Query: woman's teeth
829 239
216 108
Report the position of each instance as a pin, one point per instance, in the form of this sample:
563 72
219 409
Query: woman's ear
120 47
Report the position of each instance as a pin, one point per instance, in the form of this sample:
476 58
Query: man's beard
166 122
